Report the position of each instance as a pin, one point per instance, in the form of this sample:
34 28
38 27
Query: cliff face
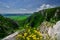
55 31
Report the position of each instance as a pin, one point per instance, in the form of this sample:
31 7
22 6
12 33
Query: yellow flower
25 34
40 37
19 35
40 34
23 37
37 38
29 35
29 30
35 31
27 38
33 35
34 38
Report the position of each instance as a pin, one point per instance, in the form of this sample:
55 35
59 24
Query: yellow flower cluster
30 34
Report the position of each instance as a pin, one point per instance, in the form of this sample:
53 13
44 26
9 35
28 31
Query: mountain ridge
51 15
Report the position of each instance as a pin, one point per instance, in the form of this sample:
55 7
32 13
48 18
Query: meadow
18 18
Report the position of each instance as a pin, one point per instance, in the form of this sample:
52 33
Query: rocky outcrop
12 36
44 27
55 31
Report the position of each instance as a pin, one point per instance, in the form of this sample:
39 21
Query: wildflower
33 35
35 31
23 37
27 38
29 30
19 35
37 38
40 37
29 35
40 34
25 34
34 38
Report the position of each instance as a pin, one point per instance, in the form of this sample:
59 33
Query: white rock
11 37
55 30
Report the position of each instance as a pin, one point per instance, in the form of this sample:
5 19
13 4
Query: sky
26 6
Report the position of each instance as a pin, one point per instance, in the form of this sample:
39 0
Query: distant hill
7 26
17 14
51 15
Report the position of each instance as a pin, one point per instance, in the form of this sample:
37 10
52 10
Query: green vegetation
41 20
12 23
34 20
50 15
7 26
18 18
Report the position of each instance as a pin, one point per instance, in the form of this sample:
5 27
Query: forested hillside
51 15
7 26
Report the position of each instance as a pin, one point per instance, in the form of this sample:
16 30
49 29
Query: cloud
23 9
7 6
45 6
4 5
15 11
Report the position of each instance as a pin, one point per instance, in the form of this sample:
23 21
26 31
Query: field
18 18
